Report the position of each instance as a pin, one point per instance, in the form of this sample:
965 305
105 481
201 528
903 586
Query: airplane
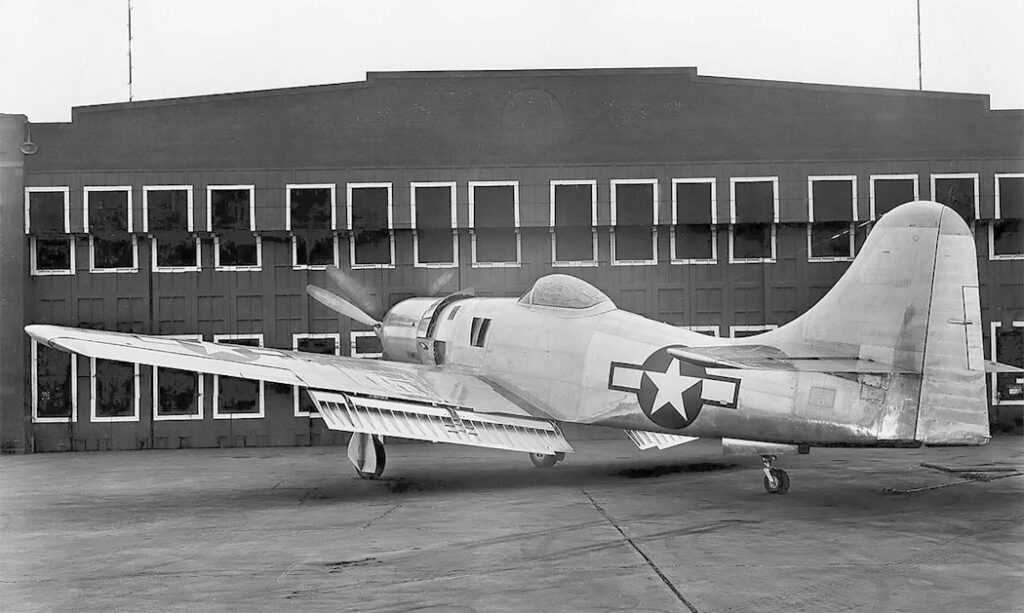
891 356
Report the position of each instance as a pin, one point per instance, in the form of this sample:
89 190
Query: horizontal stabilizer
350 413
764 357
646 440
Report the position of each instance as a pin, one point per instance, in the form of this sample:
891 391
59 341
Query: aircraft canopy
564 292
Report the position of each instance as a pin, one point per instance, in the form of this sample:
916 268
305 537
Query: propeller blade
339 304
437 288
355 293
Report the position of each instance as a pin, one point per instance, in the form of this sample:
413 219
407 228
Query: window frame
452 187
36 419
88 189
774 222
472 185
252 228
851 226
298 391
391 225
994 326
188 189
655 199
759 328
555 262
960 175
714 222
172 269
872 216
353 335
217 338
34 269
200 391
93 418
43 189
992 256
702 328
334 224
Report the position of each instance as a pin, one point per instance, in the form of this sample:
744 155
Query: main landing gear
366 452
543 460
776 480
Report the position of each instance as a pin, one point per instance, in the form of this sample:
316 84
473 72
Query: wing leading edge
355 395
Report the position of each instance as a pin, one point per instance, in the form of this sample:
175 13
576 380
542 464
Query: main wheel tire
781 482
543 460
382 460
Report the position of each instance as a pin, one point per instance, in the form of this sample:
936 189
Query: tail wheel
382 458
781 485
543 460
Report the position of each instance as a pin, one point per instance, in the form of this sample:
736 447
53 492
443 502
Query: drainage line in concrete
643 555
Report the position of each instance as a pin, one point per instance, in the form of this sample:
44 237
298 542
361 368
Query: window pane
830 239
833 199
1011 197
958 194
116 251
108 211
433 208
46 212
1009 350
370 233
574 206
177 392
115 389
237 249
574 243
167 209
494 206
634 205
314 248
176 250
752 241
755 201
53 254
694 242
435 246
633 243
53 371
367 344
311 208
1008 237
496 245
693 203
890 193
229 209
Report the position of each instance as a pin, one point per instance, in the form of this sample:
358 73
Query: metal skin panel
901 303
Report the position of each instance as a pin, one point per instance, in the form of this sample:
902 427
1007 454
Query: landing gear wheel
543 460
781 482
382 458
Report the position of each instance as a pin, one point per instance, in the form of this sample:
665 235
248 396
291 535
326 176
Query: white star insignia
671 387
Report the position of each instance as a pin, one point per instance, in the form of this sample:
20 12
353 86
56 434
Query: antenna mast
920 85
131 95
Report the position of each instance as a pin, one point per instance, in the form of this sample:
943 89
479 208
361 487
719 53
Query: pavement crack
640 551
381 516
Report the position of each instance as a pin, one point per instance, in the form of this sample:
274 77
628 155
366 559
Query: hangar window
234 397
890 191
231 217
433 216
324 344
957 191
1006 232
48 222
371 225
114 390
52 256
312 223
108 220
754 211
745 331
1008 348
54 394
574 223
494 223
831 213
634 221
177 394
694 217
709 330
365 344
167 215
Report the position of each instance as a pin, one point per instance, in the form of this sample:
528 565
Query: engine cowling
404 326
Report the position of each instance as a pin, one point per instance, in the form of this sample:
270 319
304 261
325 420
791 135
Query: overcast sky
57 54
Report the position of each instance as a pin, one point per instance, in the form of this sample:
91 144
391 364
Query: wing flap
385 417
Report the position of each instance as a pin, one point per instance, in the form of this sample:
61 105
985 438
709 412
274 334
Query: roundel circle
670 390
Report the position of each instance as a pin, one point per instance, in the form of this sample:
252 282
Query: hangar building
724 205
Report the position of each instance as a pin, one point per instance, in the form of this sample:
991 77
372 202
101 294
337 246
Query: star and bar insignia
672 392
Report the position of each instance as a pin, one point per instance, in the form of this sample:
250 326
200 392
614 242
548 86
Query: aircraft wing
765 357
353 394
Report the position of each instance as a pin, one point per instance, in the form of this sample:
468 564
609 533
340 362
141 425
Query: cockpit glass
564 291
